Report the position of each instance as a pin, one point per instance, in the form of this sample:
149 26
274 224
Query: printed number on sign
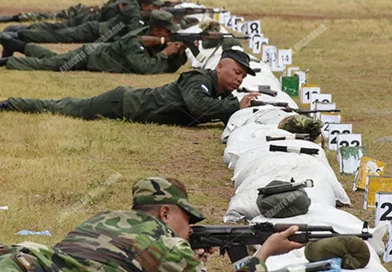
385 216
229 22
352 143
307 94
333 132
254 28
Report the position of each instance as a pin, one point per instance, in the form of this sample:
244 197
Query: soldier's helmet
157 190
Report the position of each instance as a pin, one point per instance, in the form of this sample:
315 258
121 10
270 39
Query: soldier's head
150 5
167 200
232 69
162 23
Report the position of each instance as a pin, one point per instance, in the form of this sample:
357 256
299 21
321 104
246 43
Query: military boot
11 45
4 106
5 19
15 28
3 61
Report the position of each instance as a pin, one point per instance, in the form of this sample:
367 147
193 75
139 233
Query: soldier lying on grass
197 96
153 236
127 55
126 12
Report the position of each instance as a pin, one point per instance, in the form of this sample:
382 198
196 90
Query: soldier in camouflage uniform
127 55
151 237
198 96
128 14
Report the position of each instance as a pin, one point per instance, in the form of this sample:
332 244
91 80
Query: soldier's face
160 32
230 75
178 220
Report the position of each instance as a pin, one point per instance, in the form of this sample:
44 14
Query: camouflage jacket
113 241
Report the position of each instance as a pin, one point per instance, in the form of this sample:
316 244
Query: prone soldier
153 236
128 14
127 55
198 96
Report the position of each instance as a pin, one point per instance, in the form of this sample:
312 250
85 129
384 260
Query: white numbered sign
388 247
323 98
269 53
228 21
302 77
328 119
383 207
253 28
285 57
307 91
324 106
236 22
222 17
257 43
334 130
290 70
349 140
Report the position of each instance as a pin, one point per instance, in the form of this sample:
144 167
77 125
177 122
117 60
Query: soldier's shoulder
195 74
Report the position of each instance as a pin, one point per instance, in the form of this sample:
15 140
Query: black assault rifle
234 239
262 89
286 108
188 39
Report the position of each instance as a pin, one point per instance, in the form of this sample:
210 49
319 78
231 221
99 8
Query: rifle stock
234 239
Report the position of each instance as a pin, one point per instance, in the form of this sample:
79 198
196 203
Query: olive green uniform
127 55
107 12
89 31
190 100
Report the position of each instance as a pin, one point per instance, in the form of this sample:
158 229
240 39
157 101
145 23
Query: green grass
50 164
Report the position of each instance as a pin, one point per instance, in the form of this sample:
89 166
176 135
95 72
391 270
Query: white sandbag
282 166
265 115
248 137
241 160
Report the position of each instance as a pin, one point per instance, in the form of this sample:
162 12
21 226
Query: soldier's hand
245 101
202 253
278 243
172 48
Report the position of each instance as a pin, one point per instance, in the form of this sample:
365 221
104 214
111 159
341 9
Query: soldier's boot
15 28
4 106
3 61
11 45
6 19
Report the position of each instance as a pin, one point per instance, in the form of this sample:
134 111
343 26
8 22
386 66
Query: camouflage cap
302 124
240 57
156 190
161 18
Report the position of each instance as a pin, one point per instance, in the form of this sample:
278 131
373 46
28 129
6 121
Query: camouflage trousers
106 105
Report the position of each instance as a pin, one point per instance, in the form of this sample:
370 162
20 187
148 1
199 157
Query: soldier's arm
197 97
140 62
